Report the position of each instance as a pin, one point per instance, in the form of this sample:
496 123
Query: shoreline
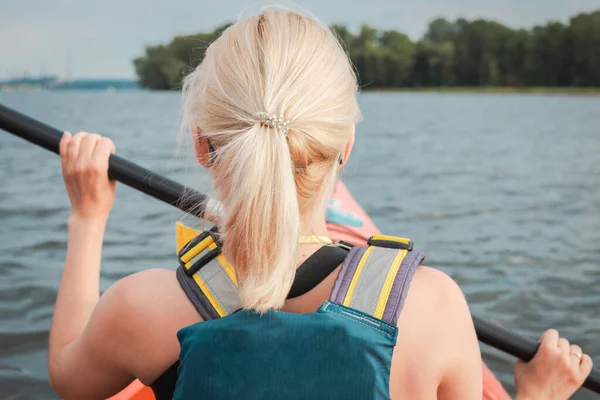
539 90
579 91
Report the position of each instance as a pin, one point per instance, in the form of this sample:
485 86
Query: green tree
546 57
582 44
514 58
398 55
441 30
434 64
158 69
459 53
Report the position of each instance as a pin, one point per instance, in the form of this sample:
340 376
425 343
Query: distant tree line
460 53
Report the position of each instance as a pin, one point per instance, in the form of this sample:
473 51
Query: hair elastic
271 121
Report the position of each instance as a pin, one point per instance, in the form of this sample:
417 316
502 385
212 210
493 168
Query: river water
502 191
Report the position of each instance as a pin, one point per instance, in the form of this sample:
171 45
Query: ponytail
262 219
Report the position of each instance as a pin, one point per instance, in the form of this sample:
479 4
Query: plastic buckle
206 258
390 242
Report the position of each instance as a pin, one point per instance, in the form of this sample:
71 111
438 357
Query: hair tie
271 121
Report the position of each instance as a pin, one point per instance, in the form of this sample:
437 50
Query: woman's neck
311 225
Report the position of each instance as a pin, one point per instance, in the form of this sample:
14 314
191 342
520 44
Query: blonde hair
286 64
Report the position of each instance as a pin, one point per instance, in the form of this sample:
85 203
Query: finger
576 354
73 150
549 338
62 147
565 347
102 152
576 350
86 148
64 140
586 366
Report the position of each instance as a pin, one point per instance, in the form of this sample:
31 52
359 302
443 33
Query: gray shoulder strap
207 279
375 280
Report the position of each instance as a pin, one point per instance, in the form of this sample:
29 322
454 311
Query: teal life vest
341 351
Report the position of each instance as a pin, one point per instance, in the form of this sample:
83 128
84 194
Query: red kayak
358 235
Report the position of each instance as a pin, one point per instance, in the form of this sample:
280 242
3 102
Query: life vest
341 351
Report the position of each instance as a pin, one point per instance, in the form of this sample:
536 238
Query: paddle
190 201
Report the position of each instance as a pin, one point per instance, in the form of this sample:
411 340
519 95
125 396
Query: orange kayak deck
357 235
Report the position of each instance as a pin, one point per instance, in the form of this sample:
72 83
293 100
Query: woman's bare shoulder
437 286
153 298
146 292
145 285
435 331
145 310
435 299
435 306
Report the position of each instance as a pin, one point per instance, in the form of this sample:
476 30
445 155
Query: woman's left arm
80 359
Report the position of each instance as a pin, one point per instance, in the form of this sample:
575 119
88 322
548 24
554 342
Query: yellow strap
356 276
183 235
314 239
391 238
389 282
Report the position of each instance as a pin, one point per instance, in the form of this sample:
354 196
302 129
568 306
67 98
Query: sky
99 39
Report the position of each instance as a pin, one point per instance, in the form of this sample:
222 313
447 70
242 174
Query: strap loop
390 242
195 247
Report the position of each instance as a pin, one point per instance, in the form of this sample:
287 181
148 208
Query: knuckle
548 336
79 169
92 137
555 353
543 351
83 167
107 142
95 168
548 349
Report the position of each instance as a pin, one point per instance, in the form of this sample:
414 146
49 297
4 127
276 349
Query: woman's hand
85 172
555 373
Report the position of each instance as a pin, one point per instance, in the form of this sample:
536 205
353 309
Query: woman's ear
349 146
202 149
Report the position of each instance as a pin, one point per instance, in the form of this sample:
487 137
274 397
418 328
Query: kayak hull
357 235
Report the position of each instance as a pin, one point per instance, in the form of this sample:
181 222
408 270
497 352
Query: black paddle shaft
171 192
119 169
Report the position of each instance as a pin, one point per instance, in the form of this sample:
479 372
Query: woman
273 108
